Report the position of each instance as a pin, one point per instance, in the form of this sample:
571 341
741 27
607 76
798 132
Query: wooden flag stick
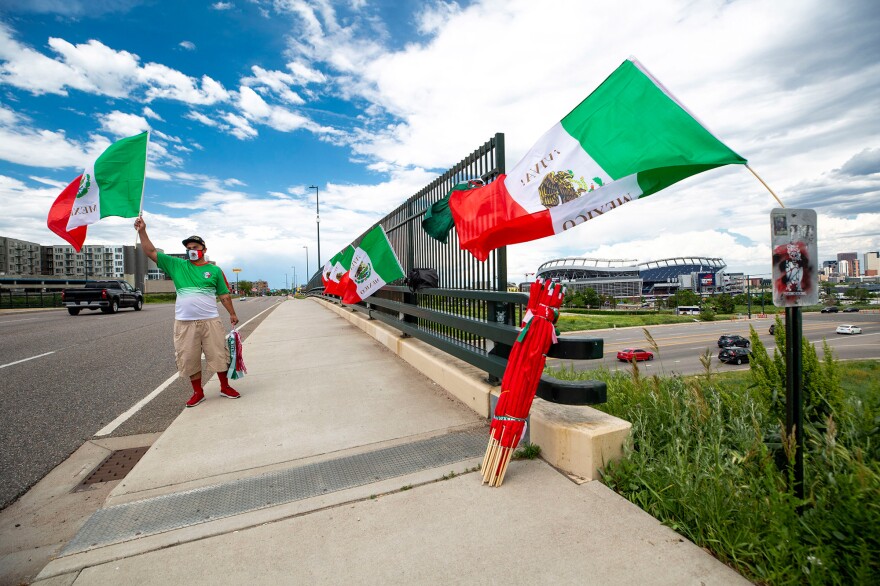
765 185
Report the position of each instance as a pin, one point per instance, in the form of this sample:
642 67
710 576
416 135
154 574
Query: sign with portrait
795 257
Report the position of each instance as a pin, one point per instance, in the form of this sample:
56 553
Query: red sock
224 381
196 384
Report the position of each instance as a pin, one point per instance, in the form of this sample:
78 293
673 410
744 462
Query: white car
849 329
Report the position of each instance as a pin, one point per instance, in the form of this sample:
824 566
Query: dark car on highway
851 310
734 355
829 309
733 340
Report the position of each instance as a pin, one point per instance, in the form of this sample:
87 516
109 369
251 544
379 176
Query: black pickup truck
108 296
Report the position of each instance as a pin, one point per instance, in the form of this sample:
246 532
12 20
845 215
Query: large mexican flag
628 139
113 185
373 264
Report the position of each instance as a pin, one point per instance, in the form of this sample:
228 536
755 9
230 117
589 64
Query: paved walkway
342 464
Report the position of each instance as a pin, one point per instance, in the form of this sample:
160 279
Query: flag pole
765 185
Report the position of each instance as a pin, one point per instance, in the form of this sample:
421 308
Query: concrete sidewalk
343 464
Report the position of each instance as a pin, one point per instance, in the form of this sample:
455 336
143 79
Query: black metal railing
27 298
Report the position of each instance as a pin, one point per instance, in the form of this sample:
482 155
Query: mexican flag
373 264
113 185
628 139
341 265
334 268
59 214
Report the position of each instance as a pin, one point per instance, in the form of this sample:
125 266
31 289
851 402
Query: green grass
701 459
574 323
160 298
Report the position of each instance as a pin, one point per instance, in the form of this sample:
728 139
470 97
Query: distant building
871 264
94 261
851 259
20 257
260 288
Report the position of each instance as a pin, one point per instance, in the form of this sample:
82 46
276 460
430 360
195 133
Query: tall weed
699 460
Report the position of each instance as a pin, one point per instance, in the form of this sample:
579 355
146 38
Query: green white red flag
113 185
373 265
628 139
341 265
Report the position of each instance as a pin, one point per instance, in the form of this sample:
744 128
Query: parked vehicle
829 309
108 296
734 355
850 310
733 340
848 329
637 354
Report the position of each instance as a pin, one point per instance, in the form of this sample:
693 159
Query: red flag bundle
521 377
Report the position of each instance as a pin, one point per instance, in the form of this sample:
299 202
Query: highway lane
682 344
63 378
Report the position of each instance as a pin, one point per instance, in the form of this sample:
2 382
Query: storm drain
201 505
114 467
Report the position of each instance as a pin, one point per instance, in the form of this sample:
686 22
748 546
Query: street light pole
307 264
317 220
294 277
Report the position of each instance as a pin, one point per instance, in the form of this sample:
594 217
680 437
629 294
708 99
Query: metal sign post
237 290
795 284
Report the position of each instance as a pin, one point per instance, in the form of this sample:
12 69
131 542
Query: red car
630 354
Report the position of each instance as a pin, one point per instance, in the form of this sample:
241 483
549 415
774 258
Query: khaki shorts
192 338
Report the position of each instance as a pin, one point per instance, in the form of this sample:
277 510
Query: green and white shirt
197 287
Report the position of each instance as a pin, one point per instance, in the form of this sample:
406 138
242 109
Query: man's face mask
195 255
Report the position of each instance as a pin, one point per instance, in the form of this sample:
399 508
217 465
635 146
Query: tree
683 297
591 298
724 303
245 287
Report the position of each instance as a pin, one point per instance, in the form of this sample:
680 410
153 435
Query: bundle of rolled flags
521 377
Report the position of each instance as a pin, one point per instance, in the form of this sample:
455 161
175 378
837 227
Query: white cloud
95 68
149 113
120 124
276 82
188 45
222 5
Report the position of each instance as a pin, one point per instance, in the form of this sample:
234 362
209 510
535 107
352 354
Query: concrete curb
578 440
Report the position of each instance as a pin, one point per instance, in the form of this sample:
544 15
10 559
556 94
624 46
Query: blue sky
249 102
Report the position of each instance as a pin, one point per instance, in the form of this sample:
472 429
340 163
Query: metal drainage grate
114 467
201 505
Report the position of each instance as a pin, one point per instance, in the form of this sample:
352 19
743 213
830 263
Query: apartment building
94 261
20 257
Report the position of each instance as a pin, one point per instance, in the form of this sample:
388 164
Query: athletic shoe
195 399
230 393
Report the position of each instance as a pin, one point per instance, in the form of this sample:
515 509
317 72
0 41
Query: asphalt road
64 378
682 344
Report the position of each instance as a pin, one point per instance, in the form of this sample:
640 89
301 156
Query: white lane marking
15 321
26 359
111 427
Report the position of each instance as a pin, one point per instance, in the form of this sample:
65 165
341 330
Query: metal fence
29 298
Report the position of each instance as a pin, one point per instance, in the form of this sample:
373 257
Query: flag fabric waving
113 185
373 264
59 214
341 265
628 139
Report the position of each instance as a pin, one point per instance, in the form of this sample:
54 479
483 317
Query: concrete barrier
578 440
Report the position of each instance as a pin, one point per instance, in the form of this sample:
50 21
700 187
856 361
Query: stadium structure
629 279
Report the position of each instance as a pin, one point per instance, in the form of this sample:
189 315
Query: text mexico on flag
113 185
628 139
372 266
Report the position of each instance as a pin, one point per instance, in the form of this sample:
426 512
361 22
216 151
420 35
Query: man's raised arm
146 244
